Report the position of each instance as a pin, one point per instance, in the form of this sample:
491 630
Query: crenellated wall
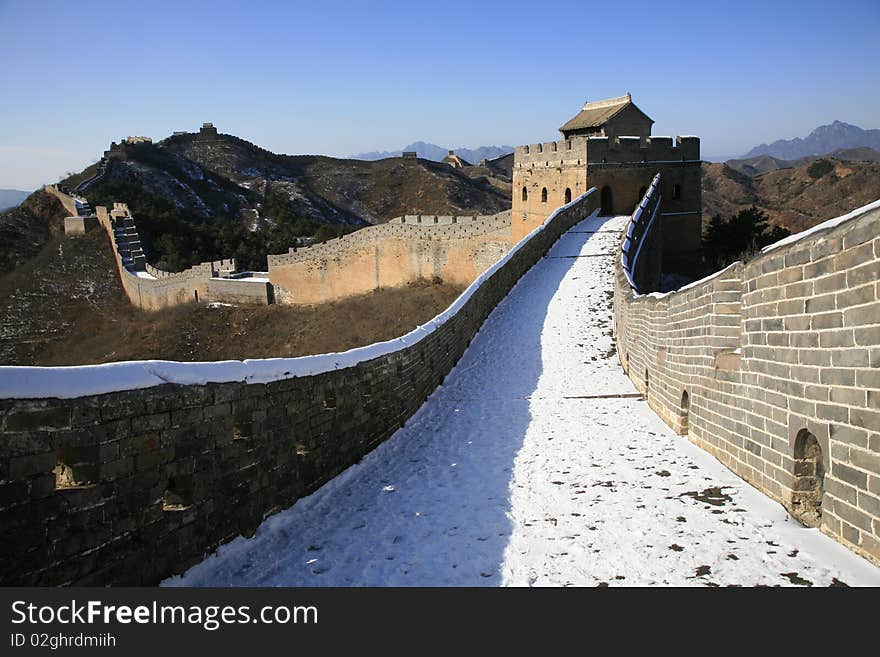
545 175
449 220
148 287
127 473
454 249
773 366
650 149
151 288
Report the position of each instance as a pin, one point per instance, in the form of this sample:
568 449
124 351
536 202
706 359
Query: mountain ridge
10 198
795 197
202 196
755 166
822 140
436 153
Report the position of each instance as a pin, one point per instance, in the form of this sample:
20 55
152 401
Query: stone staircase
128 242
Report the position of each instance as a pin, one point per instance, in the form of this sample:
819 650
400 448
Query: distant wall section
454 249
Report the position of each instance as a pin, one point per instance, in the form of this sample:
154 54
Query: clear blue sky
345 77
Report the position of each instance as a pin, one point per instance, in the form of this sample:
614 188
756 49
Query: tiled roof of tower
596 114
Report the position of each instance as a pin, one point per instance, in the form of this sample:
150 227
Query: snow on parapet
791 239
25 382
825 225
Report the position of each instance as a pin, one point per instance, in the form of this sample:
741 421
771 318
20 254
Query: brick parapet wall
786 342
650 149
410 230
165 288
565 152
446 220
168 473
582 150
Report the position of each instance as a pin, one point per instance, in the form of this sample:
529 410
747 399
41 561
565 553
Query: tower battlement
609 146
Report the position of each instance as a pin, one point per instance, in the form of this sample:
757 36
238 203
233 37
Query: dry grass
66 307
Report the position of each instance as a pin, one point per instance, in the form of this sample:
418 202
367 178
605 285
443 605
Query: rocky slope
65 306
754 166
199 197
25 229
795 198
339 190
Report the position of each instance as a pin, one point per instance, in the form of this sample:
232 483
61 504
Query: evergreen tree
738 237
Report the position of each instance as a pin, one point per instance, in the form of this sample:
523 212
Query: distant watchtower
208 130
455 161
608 145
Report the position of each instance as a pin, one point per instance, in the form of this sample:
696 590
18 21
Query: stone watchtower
608 145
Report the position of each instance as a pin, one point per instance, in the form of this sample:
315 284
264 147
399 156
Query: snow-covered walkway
518 471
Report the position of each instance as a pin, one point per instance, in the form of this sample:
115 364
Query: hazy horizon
339 79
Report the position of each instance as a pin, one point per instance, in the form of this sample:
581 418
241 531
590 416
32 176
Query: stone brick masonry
127 488
773 366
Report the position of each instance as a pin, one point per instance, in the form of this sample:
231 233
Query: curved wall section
785 345
130 472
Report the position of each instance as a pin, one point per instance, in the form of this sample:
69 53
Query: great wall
127 473
772 366
407 248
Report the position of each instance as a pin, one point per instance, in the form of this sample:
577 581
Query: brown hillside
65 306
791 197
25 229
375 191
384 189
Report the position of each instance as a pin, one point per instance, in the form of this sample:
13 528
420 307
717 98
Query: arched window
525 194
809 477
544 195
568 195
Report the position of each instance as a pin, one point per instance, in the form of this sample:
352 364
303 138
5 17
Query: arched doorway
544 195
525 194
568 195
809 476
607 201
